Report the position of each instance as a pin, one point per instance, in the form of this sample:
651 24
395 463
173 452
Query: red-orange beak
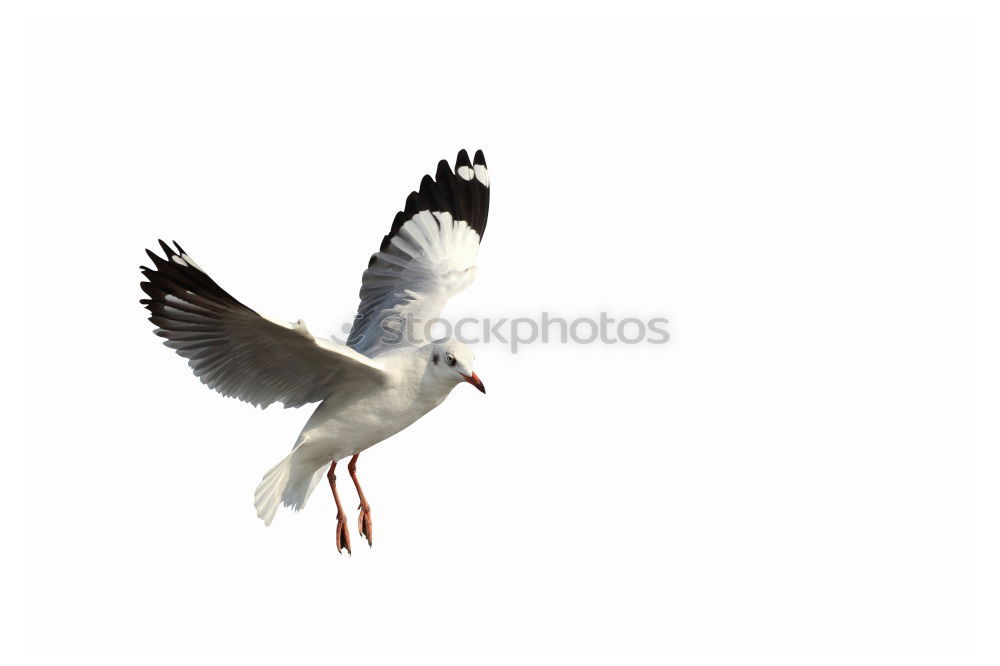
475 381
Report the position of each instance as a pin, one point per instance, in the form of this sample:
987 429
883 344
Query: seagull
388 374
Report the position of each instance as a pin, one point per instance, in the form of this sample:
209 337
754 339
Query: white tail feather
271 488
289 483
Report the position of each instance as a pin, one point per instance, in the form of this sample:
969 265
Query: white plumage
389 374
431 259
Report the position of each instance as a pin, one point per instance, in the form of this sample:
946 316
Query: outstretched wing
428 255
236 351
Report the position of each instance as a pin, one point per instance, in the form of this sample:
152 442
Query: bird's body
387 377
347 424
340 428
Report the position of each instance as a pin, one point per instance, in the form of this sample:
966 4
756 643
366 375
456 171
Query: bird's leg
365 517
343 537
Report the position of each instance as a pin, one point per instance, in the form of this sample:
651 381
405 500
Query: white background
795 469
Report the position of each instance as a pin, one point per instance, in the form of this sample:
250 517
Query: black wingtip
462 159
479 158
414 202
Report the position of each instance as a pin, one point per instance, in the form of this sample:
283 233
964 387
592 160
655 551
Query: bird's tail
288 483
271 488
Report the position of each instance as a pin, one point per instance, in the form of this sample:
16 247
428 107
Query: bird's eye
449 359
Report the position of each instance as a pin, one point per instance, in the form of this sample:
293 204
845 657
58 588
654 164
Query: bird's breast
366 420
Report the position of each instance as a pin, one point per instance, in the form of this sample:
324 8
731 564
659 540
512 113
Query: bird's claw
343 534
365 522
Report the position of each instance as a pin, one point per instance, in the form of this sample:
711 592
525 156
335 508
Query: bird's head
451 360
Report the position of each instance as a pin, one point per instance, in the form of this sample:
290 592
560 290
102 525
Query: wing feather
238 352
428 255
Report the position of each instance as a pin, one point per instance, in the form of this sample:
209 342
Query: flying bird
388 374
